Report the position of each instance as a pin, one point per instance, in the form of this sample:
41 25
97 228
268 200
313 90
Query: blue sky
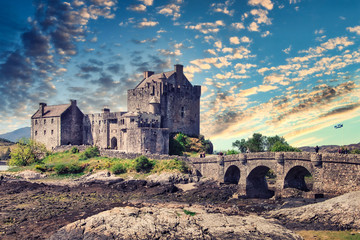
289 68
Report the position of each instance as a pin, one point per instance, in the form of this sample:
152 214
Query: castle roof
156 78
52 111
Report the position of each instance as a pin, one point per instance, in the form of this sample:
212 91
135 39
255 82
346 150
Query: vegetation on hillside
75 162
260 143
181 143
5 148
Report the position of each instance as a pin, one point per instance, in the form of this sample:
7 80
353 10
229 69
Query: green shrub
143 164
61 169
355 151
118 168
90 152
74 150
40 168
27 152
232 152
75 168
283 147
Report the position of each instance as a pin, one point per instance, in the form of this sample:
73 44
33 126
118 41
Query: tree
260 143
27 152
241 145
256 143
283 147
270 141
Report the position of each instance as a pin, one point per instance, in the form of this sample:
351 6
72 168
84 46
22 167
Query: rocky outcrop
338 213
172 223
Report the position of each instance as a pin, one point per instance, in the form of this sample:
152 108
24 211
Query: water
3 166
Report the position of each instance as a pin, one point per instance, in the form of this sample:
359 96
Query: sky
275 67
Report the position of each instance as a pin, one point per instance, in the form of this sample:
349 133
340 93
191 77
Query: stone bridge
319 174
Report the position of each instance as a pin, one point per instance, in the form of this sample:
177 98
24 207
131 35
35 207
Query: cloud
116 68
147 23
341 110
287 50
172 10
234 40
265 34
253 27
148 40
88 68
137 8
222 8
261 16
148 2
355 29
238 25
245 39
264 3
166 52
207 27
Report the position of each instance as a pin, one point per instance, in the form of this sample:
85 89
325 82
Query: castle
161 104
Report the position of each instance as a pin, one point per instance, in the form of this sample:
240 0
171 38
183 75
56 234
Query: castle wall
182 110
72 126
46 131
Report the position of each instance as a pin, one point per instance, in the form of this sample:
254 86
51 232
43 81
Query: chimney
42 108
179 74
73 102
148 74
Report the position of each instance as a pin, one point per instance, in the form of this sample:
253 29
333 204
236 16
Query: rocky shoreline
97 206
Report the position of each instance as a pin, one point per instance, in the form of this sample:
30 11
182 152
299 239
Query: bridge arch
232 175
295 178
257 184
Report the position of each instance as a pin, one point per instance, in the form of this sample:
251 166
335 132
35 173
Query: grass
69 164
190 213
329 235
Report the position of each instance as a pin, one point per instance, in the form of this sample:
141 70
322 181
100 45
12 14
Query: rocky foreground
103 206
172 223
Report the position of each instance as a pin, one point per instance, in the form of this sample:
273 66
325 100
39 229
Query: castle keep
159 105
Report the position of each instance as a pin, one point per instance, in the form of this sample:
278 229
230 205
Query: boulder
172 223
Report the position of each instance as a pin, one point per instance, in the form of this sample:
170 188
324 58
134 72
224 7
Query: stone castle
161 104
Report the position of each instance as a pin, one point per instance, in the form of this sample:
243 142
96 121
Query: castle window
44 132
52 132
35 133
35 122
132 120
182 112
153 90
52 120
44 121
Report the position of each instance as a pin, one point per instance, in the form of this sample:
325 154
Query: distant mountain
14 136
330 148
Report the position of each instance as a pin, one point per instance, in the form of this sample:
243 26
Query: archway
114 143
232 175
298 177
256 183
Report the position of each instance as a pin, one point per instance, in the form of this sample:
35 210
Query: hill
330 148
14 136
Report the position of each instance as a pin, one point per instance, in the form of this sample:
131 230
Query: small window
52 120
52 132
132 120
35 133
35 122
44 121
182 112
44 132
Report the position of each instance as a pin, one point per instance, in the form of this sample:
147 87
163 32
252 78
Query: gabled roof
156 78
52 111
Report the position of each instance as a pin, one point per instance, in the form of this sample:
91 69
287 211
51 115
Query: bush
27 152
143 164
70 168
190 213
355 151
283 147
74 150
90 152
232 152
40 168
61 169
118 168
75 168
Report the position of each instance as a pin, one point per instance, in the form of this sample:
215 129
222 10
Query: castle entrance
114 143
